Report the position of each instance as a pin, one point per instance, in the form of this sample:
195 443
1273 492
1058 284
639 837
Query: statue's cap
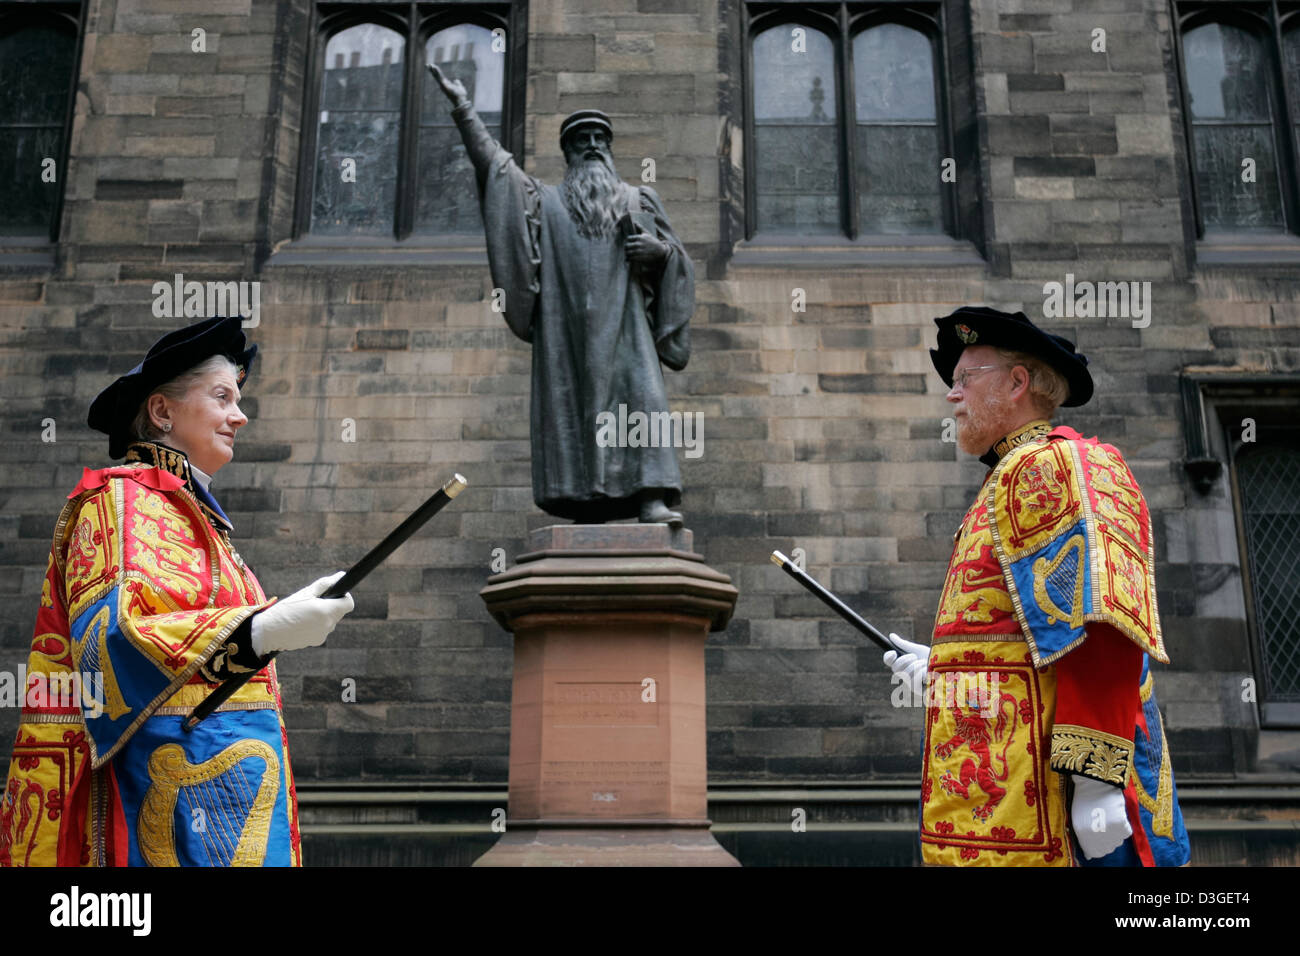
585 118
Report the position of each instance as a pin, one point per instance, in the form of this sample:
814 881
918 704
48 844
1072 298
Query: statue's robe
1039 667
599 327
148 605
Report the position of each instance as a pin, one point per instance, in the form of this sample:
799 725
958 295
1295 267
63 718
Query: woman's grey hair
143 428
1047 387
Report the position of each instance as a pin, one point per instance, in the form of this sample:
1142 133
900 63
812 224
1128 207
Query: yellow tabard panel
988 797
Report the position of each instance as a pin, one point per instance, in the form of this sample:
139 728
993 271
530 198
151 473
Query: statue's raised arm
510 205
479 143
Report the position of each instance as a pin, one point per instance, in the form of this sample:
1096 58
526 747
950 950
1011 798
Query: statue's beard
590 189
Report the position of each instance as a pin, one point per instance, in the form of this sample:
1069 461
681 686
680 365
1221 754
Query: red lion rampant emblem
973 731
81 549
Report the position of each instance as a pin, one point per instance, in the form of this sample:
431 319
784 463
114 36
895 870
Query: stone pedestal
607 721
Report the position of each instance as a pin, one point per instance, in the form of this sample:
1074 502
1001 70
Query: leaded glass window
38 51
1241 94
360 121
1232 115
1291 54
796 137
897 129
1268 479
846 87
1268 475
384 158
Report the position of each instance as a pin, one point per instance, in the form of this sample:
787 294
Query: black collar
1021 436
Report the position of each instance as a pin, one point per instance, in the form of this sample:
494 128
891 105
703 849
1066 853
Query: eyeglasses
962 378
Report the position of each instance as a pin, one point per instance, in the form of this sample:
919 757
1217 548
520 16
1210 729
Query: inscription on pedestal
602 704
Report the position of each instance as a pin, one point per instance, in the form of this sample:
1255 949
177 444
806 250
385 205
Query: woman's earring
167 426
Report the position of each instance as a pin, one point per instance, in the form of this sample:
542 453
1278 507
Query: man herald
1051 591
596 280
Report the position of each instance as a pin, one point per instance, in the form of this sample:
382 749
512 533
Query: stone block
1036 102
996 100
1044 187
1020 135
558 52
998 53
1144 134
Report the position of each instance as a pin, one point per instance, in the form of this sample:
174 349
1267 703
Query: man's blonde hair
1047 387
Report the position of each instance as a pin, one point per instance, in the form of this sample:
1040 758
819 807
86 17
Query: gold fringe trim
968 638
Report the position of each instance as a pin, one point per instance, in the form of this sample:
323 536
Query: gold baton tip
455 485
779 559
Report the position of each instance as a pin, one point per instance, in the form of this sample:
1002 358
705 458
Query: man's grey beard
590 190
982 424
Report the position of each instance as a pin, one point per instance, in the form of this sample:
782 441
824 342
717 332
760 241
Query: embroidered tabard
1073 536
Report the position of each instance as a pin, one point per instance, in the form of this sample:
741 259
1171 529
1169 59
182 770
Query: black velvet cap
978 325
175 353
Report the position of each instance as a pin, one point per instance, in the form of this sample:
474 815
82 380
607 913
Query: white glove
303 619
1097 812
912 664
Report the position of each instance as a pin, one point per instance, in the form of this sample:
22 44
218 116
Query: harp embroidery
1161 805
1064 575
225 790
92 657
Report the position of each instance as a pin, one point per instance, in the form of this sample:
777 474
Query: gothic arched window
897 131
359 126
847 109
1231 113
796 133
1240 84
38 59
382 158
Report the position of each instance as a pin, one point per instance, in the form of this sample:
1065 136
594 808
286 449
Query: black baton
831 601
437 501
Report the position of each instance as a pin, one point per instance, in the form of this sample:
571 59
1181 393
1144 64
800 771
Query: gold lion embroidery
163 545
154 563
974 594
156 506
1118 498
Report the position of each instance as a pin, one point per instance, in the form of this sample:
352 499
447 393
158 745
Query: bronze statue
596 280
